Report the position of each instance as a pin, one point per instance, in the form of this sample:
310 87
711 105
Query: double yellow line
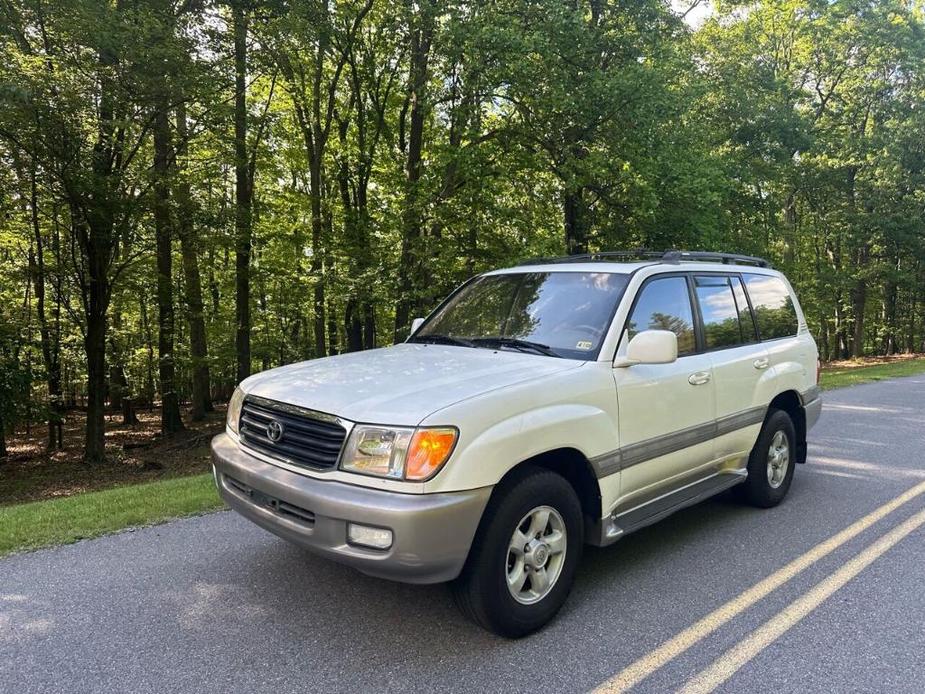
727 664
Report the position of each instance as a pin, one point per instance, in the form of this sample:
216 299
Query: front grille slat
306 441
318 428
287 452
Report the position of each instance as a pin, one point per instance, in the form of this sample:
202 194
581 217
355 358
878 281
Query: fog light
367 536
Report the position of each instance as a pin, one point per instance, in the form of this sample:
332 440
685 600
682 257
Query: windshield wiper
439 339
518 344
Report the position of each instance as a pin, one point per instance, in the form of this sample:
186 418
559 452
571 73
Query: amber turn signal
429 450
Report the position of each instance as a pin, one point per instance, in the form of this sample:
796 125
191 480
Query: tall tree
166 58
411 279
49 327
244 192
163 228
189 250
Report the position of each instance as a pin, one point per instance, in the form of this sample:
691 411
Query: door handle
699 378
761 363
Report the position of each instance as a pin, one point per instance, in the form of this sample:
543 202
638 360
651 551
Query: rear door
666 410
739 362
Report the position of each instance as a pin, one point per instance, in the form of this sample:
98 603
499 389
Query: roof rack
710 257
637 254
657 256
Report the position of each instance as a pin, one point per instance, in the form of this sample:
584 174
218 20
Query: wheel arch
790 402
575 467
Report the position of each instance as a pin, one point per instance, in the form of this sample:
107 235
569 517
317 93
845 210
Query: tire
482 591
768 481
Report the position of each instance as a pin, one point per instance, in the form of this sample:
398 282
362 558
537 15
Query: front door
667 411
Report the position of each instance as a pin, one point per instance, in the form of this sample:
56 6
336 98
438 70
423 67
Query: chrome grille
291 434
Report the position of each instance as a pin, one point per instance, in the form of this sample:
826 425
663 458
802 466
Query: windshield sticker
584 344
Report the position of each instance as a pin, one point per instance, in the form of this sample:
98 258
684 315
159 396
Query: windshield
561 314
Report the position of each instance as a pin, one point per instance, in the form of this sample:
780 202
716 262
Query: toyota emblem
275 431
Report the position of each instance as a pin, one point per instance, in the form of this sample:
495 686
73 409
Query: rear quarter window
774 310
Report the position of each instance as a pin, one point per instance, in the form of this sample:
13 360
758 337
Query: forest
192 191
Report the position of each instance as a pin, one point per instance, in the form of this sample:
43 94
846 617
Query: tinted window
773 306
665 304
746 319
567 311
718 312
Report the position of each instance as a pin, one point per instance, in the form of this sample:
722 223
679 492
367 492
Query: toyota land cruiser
538 408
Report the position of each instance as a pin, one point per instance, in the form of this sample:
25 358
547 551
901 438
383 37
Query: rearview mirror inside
415 324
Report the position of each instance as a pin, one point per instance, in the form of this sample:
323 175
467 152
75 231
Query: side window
665 304
746 319
718 311
773 306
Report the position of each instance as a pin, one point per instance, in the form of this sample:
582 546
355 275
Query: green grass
839 377
60 521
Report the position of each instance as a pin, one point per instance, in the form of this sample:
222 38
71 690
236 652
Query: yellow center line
634 673
732 660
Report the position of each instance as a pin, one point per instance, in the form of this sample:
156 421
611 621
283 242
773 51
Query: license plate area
290 512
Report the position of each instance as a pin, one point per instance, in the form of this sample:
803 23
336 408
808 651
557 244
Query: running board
616 526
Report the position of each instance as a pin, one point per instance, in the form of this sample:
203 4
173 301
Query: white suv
538 408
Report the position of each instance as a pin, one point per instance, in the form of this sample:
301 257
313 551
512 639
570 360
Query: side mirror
415 324
651 347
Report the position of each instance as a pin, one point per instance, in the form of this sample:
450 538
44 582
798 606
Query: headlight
398 452
234 409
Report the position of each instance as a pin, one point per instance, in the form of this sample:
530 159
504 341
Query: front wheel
522 563
771 464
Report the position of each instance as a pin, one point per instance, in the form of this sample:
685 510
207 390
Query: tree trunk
353 326
148 394
369 326
50 351
170 402
859 303
98 246
95 348
189 249
118 384
913 311
317 264
890 345
2 438
575 216
243 196
128 412
412 253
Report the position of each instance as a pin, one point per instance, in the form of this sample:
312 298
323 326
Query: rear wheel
771 463
522 563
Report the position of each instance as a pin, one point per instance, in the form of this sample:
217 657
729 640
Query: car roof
628 268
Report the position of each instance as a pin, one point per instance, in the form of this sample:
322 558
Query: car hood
399 385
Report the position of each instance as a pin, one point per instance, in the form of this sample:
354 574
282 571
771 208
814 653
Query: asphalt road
214 604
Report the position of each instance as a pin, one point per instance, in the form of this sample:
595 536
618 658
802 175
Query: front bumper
432 533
